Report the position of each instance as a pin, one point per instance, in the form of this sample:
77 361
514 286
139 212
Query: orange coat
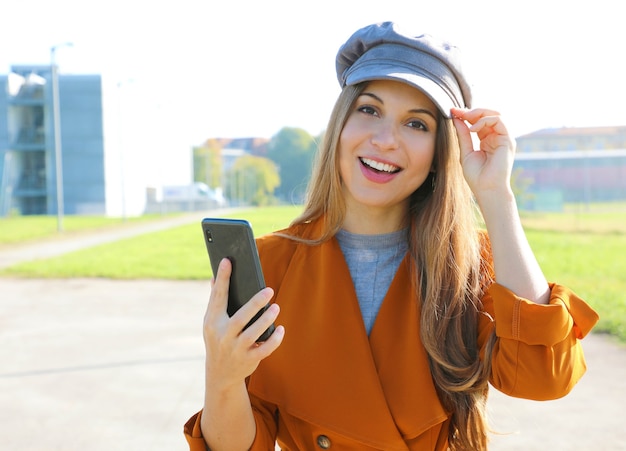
330 385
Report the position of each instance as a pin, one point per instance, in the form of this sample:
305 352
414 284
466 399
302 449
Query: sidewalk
93 364
99 365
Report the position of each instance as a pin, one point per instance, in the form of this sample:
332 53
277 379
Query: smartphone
234 239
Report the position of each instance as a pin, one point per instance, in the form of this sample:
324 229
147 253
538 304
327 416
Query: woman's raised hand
487 169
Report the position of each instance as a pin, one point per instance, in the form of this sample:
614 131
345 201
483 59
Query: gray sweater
373 261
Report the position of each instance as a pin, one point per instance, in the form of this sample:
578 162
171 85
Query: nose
385 136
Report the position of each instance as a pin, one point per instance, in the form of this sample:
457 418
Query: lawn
177 253
19 229
591 264
581 250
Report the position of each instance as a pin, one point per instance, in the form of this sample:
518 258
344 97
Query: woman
395 311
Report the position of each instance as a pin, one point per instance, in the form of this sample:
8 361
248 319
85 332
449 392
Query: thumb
220 287
464 136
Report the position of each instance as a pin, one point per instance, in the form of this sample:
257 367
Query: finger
263 350
245 314
489 124
465 139
493 134
472 116
261 324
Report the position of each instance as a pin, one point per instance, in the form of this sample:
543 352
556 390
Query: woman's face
387 145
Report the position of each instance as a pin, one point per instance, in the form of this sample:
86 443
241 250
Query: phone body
234 239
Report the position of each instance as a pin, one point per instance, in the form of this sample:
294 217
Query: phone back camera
209 236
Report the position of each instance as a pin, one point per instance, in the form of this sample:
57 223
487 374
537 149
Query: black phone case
234 239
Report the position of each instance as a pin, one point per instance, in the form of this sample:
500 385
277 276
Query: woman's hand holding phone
232 354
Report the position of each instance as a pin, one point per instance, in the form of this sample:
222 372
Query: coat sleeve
537 354
265 417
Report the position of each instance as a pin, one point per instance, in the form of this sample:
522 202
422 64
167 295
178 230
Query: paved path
93 364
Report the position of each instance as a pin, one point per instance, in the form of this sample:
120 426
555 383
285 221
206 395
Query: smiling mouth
380 167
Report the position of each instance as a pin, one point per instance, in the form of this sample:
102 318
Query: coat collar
376 390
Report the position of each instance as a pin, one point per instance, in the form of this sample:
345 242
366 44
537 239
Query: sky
248 68
189 70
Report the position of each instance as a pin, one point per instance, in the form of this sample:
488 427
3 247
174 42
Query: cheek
348 137
422 163
343 163
428 156
346 147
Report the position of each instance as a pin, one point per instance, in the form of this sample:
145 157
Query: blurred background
156 103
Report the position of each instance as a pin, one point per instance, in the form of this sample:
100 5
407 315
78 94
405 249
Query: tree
207 163
292 149
252 180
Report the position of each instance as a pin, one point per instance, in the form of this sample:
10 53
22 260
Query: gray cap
383 52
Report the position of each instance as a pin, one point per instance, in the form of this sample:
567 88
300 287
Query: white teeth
379 166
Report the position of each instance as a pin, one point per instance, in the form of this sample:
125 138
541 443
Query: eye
417 124
368 109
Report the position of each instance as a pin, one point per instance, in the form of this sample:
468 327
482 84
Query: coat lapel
327 372
402 361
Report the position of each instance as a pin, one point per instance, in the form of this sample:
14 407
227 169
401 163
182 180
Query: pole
5 186
121 142
56 114
121 149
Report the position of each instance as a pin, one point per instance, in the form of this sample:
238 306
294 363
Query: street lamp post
120 142
57 132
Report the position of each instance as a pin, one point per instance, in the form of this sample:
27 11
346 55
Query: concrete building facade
27 145
572 165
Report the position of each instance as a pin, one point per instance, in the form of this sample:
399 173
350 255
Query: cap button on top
323 442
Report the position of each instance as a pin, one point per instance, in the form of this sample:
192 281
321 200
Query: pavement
96 364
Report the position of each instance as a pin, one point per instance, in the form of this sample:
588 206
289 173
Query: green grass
572 221
20 229
176 254
582 250
593 266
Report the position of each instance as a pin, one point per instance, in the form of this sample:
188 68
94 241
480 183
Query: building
572 139
572 165
27 152
110 151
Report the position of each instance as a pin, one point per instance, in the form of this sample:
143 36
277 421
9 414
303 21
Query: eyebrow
414 111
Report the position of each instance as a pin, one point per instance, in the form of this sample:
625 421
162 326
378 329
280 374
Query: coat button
323 442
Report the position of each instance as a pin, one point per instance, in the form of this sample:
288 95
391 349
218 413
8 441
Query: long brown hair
447 266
